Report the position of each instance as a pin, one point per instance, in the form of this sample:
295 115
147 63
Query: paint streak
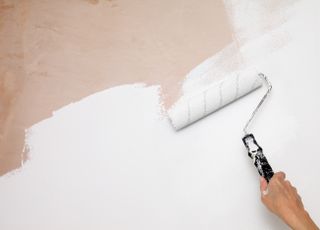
268 16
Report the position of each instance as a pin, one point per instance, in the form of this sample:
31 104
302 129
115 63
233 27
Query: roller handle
255 152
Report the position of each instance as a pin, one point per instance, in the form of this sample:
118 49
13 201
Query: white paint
111 161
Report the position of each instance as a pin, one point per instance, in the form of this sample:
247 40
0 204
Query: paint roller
212 97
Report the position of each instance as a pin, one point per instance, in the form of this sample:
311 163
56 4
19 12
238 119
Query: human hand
281 198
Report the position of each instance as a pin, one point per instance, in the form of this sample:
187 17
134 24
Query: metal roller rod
264 77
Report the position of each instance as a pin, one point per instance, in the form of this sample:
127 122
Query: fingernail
265 192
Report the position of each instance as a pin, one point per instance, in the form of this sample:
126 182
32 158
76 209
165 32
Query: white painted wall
112 160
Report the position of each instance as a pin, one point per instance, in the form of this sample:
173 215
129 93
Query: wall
113 161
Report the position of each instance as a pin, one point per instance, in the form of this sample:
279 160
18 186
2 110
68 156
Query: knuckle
279 175
283 174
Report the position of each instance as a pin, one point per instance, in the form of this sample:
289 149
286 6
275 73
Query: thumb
263 186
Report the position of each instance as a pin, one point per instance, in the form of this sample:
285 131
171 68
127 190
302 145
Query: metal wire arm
264 77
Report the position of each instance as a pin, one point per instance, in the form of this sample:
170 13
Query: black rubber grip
260 161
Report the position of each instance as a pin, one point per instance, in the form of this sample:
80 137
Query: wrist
300 220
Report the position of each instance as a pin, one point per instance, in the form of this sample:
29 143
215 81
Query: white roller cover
190 108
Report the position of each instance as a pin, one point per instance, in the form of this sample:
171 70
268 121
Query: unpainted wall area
57 52
12 79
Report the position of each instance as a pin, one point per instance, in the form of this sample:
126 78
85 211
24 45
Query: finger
287 183
280 175
263 186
